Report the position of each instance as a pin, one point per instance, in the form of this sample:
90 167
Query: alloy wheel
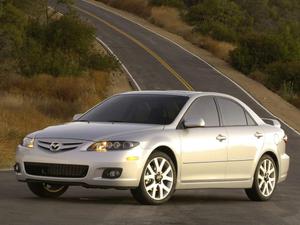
266 177
158 178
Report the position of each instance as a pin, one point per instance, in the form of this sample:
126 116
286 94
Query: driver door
203 149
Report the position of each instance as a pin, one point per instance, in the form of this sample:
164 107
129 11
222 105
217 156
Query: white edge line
198 57
122 65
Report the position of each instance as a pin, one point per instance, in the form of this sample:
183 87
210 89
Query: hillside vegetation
260 38
51 68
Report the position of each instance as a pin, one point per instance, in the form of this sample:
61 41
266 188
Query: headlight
28 142
103 146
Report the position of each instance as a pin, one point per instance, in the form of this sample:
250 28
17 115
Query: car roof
177 92
194 94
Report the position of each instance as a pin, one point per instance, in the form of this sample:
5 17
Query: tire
45 190
264 181
156 185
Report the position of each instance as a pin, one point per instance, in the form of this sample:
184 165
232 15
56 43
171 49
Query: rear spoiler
272 122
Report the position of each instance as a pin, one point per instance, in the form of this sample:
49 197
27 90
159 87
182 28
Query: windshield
137 108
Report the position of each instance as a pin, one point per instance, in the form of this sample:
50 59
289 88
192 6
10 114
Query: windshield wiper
81 121
116 121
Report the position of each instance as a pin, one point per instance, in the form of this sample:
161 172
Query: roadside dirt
273 102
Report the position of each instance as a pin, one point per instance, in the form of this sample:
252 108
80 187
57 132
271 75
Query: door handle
258 134
221 137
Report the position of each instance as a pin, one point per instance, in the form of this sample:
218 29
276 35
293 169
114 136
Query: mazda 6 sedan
154 142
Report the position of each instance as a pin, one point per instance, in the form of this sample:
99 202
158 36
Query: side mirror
76 116
190 123
272 122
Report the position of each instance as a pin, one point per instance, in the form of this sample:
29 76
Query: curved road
155 63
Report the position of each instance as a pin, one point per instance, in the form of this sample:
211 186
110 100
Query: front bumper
96 161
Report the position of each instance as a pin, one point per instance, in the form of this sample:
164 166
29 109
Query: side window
205 108
250 121
232 113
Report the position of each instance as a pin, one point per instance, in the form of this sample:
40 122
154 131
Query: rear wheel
158 180
46 190
265 180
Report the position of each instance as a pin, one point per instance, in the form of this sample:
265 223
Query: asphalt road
155 63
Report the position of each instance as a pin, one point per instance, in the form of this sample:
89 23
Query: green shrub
62 46
12 25
190 3
30 57
221 19
70 35
257 50
172 3
97 61
56 62
284 73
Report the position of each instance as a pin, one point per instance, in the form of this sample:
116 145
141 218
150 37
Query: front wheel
46 190
265 180
158 180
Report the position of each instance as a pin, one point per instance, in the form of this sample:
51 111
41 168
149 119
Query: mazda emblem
54 147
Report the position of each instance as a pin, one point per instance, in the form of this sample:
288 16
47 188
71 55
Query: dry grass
18 116
30 104
220 49
169 18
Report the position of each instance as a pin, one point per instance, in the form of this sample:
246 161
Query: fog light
17 168
112 173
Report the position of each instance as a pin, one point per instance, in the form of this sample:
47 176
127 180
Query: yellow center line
152 53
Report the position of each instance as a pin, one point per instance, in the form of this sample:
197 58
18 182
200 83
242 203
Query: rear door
204 153
245 139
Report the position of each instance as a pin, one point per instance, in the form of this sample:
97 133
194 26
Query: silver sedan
153 142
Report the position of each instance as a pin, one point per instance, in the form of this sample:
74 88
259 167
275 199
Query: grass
220 49
17 118
169 18
29 104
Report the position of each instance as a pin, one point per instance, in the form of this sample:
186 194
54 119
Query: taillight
285 138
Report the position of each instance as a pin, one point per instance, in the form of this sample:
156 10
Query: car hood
92 131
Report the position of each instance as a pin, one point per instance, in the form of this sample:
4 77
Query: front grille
63 146
56 170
